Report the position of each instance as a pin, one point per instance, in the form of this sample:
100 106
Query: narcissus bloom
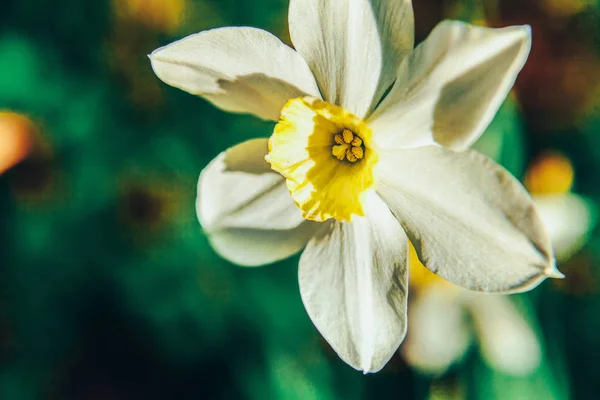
370 150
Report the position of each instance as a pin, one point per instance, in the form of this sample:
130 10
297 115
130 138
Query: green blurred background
108 288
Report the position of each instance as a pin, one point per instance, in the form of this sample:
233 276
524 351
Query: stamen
349 146
358 152
348 136
350 156
357 142
339 151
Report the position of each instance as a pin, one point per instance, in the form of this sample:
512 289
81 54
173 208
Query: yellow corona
327 157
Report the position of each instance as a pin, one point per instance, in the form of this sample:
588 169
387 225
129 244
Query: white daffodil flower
370 150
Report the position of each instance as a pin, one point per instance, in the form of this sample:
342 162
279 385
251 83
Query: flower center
327 157
348 146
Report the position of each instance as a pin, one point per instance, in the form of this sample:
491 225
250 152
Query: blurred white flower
370 150
568 217
445 320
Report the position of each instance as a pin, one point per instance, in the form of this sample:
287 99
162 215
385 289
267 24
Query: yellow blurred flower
565 8
162 15
551 173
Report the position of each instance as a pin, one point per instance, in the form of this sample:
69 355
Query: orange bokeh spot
16 137
550 173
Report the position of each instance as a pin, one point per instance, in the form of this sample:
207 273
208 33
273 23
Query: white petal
507 341
353 47
470 221
246 209
353 282
451 86
256 247
244 70
438 335
568 219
